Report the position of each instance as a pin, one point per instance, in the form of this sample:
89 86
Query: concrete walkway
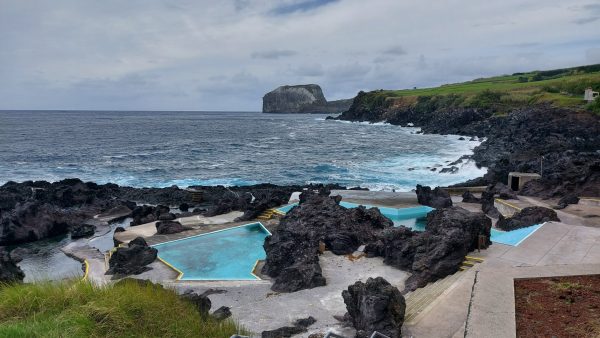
258 308
555 249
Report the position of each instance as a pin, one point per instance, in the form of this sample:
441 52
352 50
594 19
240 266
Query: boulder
292 251
566 200
503 191
436 198
300 326
527 217
9 271
487 204
32 221
168 216
184 207
169 227
84 229
375 305
200 301
468 197
132 259
221 313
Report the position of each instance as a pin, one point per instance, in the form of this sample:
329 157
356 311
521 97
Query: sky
225 55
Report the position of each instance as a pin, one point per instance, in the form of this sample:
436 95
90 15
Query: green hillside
562 87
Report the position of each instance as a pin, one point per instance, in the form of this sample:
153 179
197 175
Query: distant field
563 87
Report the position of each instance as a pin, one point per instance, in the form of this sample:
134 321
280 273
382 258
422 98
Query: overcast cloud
225 55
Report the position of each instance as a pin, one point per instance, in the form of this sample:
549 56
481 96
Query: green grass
561 87
79 309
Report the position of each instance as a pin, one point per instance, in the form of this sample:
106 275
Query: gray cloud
396 50
273 54
224 55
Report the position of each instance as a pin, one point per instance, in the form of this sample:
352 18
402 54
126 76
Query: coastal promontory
308 99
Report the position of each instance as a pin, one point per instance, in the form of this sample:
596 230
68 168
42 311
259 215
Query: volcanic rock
527 217
84 229
437 252
468 197
169 227
436 198
133 259
301 99
201 301
375 306
565 201
9 271
292 251
221 313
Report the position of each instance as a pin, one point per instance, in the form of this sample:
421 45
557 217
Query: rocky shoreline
563 144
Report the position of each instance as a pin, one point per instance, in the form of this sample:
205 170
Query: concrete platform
258 308
381 198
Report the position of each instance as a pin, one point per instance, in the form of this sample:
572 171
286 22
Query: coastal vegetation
79 309
560 87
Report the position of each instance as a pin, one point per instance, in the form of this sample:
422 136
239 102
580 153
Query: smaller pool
228 254
414 218
514 237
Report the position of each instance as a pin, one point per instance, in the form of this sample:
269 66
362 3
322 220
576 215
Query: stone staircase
269 213
418 301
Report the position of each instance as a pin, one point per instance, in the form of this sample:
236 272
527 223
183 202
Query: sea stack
307 98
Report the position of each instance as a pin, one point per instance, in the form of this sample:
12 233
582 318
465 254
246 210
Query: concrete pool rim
180 273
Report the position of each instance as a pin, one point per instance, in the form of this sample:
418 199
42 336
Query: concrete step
420 299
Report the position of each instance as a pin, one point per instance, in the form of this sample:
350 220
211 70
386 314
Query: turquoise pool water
228 254
514 237
414 218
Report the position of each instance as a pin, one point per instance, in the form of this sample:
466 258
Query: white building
590 95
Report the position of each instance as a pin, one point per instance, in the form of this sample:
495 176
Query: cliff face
516 138
301 99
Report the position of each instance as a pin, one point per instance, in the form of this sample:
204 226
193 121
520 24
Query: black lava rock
133 259
375 305
436 198
527 217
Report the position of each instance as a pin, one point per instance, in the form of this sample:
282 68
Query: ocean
159 149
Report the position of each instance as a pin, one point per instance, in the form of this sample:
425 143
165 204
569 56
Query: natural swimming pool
414 217
228 254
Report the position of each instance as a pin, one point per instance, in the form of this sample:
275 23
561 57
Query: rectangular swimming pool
229 254
414 217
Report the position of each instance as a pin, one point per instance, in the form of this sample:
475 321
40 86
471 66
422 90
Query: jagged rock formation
437 252
302 99
133 259
292 251
515 139
436 198
375 306
169 227
527 217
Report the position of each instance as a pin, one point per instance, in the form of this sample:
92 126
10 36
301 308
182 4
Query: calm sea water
231 148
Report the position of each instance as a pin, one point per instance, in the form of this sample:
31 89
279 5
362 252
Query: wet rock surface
527 217
436 198
292 251
132 259
437 252
9 271
375 305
